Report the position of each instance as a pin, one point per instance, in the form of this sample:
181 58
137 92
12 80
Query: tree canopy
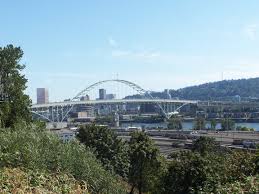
145 162
205 145
175 123
199 123
14 105
227 124
205 169
108 148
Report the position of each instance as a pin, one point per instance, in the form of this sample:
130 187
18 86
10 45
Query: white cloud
139 55
251 31
112 42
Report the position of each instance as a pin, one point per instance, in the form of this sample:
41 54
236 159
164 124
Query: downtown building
42 96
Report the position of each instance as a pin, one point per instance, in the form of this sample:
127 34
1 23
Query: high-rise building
110 96
85 98
102 94
42 96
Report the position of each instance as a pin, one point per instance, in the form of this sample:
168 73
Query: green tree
193 173
175 123
206 170
108 148
145 163
205 145
213 124
189 172
14 105
227 124
199 123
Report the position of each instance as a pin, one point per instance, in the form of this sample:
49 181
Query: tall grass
32 148
16 180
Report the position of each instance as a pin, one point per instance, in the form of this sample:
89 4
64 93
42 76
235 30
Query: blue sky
157 44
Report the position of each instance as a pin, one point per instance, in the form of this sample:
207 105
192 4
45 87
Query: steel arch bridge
130 84
59 111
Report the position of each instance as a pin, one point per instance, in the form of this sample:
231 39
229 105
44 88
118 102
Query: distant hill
219 90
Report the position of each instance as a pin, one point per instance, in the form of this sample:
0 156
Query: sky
69 45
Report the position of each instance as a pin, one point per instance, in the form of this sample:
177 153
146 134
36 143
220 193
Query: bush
15 180
247 186
36 149
240 165
240 128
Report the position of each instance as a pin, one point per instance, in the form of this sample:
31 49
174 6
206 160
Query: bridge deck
114 101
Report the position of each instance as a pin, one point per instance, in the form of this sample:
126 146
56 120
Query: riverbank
186 125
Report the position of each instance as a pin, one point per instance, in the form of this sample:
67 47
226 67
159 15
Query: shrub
247 186
15 180
36 149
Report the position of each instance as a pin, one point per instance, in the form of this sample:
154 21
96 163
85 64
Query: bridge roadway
114 101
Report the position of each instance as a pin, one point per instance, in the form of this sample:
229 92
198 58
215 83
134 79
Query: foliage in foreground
15 180
146 164
250 185
139 160
14 104
37 150
108 148
206 170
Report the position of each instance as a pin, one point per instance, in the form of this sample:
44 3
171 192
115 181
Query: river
186 125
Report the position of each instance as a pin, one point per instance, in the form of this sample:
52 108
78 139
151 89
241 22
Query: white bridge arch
128 83
76 100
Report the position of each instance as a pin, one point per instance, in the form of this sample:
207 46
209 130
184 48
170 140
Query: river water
186 125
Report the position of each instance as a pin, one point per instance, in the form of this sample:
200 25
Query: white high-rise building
42 96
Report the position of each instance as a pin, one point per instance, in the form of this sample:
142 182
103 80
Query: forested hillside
219 90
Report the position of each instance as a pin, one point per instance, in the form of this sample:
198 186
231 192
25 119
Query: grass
39 151
18 181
